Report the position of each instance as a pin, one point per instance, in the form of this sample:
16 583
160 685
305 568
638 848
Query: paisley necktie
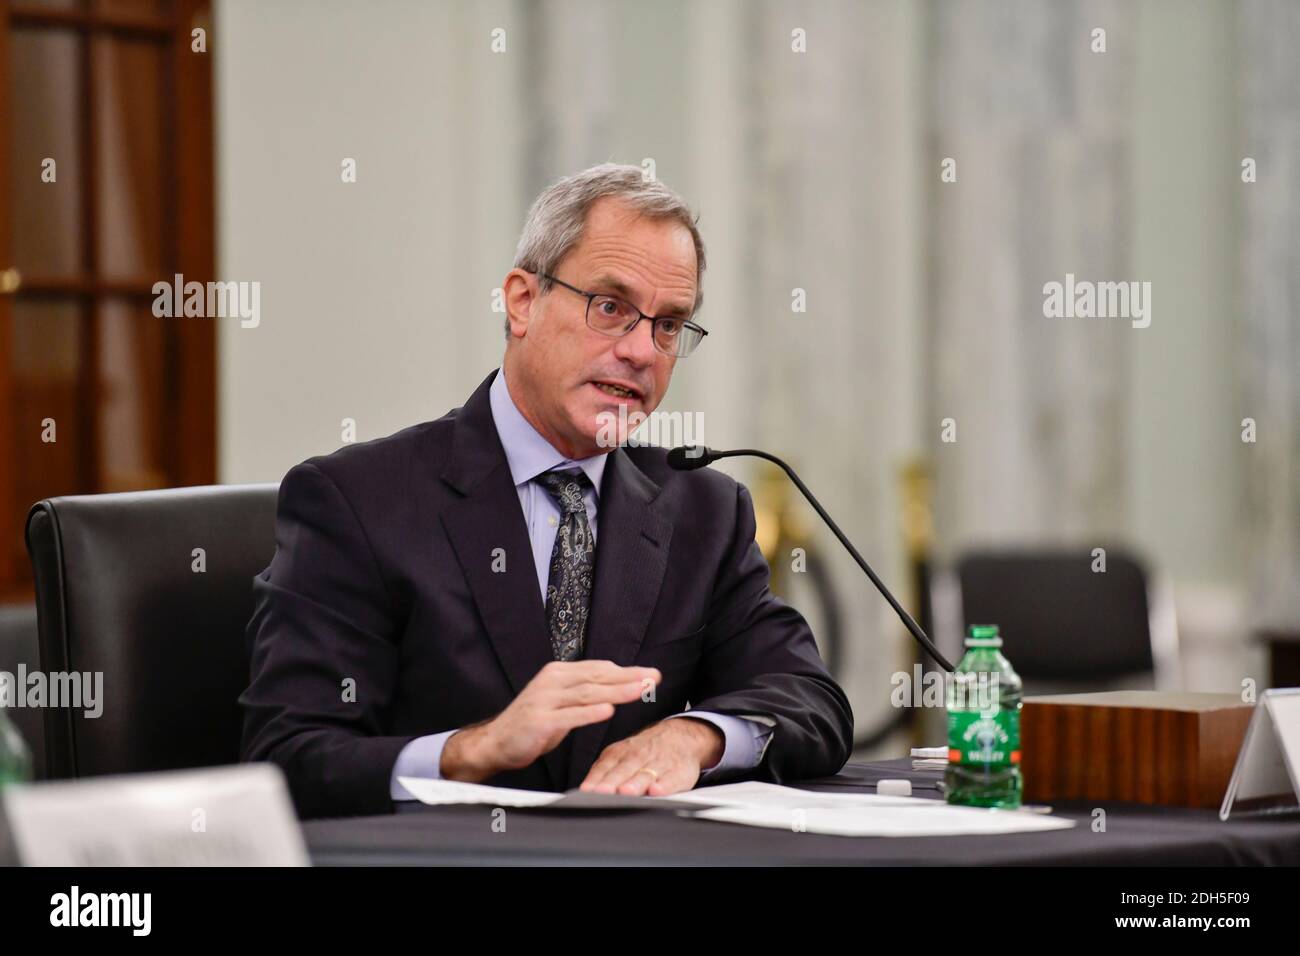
568 589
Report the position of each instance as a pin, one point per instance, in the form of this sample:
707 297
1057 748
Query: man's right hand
563 695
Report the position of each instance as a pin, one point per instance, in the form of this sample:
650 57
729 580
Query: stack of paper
929 758
767 805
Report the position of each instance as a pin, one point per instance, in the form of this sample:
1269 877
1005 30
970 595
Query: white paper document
753 803
745 794
935 818
856 814
753 794
443 792
439 792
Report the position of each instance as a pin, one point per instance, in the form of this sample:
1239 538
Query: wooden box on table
1171 749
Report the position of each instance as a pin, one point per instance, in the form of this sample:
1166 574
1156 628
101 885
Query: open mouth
617 391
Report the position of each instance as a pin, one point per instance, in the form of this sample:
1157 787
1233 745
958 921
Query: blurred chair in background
1069 628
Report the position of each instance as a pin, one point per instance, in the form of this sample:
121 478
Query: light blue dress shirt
529 454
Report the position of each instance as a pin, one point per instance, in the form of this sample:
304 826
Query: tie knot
566 487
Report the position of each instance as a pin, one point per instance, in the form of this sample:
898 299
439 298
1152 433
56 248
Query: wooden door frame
189 417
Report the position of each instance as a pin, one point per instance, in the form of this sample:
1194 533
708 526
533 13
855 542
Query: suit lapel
631 559
486 518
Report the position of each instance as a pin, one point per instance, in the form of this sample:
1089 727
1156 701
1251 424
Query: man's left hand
665 758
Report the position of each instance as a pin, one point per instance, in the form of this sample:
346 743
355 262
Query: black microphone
691 457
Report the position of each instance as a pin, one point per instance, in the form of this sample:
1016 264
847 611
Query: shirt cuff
422 757
745 743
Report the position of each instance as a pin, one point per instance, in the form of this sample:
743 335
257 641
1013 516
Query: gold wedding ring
653 773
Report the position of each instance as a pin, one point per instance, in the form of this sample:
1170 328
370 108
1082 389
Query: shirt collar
527 453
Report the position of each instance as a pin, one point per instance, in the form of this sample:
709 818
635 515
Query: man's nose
637 347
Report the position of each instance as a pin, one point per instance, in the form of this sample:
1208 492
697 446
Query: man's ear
520 293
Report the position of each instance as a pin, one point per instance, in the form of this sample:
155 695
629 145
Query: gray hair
557 217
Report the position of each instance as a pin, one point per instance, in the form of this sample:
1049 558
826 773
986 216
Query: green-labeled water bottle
984 725
15 760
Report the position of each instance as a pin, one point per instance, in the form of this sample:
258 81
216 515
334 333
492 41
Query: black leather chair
117 592
1063 623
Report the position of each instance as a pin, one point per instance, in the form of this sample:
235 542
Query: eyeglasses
613 316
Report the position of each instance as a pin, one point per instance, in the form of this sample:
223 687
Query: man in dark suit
514 594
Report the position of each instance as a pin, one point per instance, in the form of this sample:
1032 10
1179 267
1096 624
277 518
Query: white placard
1268 765
221 816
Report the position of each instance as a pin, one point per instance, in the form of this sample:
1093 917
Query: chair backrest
1061 620
153 589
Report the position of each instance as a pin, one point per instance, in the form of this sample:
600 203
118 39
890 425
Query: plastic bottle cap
894 788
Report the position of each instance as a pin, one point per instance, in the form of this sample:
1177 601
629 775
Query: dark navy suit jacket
381 617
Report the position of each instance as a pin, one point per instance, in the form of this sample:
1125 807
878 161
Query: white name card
222 816
1267 775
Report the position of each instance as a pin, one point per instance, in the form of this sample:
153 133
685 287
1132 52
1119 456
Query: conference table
465 835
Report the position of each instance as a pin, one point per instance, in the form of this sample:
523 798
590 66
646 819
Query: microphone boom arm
912 626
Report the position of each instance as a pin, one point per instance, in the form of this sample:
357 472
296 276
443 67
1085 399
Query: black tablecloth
464 835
